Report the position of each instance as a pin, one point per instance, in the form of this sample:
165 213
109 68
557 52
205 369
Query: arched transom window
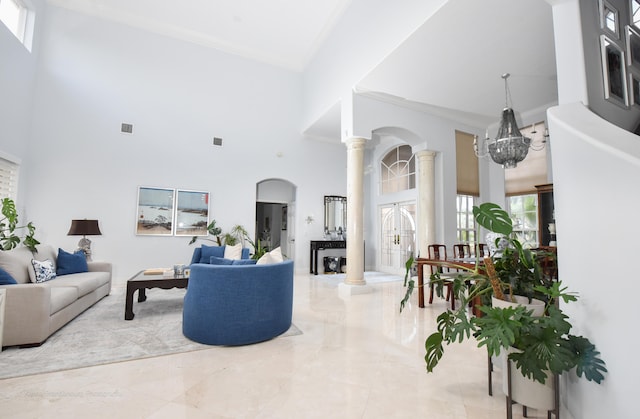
398 170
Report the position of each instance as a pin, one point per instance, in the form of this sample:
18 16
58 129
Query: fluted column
355 211
426 200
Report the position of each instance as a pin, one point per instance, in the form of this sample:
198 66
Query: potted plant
9 239
538 345
237 234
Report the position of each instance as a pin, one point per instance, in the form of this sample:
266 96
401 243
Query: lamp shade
84 228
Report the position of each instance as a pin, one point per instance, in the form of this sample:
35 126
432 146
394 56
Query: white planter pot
526 391
536 305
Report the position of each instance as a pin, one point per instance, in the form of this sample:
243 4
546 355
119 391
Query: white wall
17 84
595 166
94 75
368 31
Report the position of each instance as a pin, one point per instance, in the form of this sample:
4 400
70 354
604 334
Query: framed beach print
192 213
614 72
155 211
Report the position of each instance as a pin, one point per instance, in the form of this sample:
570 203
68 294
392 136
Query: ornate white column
426 200
355 211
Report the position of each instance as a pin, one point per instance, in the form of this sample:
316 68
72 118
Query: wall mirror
335 214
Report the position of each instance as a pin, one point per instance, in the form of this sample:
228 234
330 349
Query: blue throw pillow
214 260
244 262
71 263
5 278
208 251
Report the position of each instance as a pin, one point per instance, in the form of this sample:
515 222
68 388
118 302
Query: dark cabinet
546 215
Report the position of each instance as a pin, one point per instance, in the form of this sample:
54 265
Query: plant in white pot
538 344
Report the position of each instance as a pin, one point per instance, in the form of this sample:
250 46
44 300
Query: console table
322 245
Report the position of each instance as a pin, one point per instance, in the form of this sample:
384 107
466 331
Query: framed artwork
633 48
609 19
614 72
192 213
155 211
634 83
284 218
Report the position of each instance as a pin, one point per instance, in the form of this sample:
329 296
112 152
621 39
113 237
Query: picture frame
634 89
284 218
609 19
154 215
614 72
633 47
192 213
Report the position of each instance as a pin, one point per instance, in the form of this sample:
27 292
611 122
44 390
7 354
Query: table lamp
84 228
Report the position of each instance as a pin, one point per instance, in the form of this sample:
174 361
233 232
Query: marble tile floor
358 357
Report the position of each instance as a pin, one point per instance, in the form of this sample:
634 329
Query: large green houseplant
542 344
9 228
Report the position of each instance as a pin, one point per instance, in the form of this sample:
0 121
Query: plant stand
552 406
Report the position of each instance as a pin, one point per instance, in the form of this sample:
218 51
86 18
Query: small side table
3 296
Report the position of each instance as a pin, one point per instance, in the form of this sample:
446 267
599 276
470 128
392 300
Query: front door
397 236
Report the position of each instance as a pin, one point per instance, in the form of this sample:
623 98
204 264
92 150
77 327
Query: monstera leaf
493 218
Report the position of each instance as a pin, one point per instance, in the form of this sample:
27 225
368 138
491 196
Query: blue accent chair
238 304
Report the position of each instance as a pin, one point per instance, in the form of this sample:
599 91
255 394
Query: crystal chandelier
509 147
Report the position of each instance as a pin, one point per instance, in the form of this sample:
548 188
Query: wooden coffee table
141 281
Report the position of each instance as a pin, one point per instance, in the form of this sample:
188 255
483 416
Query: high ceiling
451 65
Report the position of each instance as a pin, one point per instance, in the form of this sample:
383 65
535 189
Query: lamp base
85 245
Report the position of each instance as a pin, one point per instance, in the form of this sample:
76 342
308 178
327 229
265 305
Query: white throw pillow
274 256
233 252
44 270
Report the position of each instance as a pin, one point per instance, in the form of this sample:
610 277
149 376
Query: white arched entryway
275 215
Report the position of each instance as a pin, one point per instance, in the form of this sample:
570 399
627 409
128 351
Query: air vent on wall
127 128
217 141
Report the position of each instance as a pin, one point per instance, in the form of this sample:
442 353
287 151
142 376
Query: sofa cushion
5 278
84 282
71 263
61 297
274 256
233 252
208 251
213 260
17 262
44 270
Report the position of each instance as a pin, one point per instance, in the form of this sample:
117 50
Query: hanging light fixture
509 147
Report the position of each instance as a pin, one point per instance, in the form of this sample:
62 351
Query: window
466 226
8 179
18 19
524 213
398 170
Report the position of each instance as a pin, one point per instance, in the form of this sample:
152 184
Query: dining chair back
461 250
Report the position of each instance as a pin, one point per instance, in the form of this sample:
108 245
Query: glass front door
397 236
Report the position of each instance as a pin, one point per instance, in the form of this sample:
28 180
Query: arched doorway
275 215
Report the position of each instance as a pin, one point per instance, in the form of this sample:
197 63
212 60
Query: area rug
100 335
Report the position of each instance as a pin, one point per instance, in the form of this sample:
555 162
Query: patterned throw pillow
44 270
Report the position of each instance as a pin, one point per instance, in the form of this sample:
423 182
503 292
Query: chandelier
509 147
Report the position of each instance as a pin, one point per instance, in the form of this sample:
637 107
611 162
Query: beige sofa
34 311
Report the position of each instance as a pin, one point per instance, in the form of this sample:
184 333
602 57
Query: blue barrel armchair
238 304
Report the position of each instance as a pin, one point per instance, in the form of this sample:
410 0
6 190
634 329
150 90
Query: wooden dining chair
461 251
439 252
482 250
